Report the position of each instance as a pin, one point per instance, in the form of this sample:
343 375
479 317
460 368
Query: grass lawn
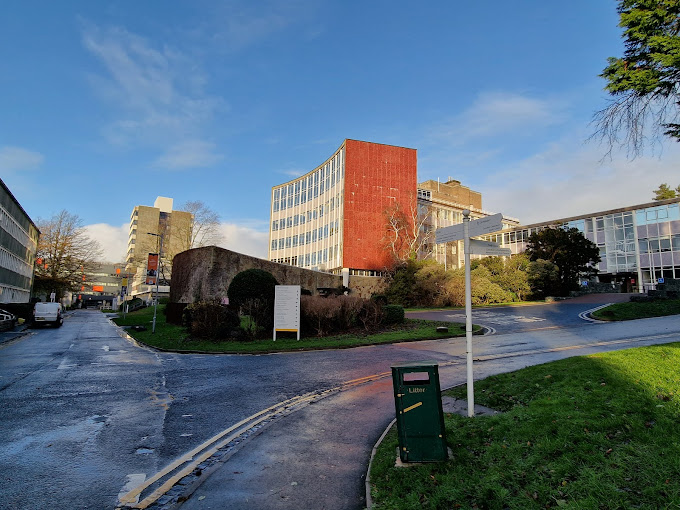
175 338
600 431
633 310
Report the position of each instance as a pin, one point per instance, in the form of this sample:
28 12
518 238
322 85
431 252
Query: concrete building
147 226
441 205
18 246
333 218
639 245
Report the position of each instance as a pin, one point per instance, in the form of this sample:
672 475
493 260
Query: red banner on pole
152 269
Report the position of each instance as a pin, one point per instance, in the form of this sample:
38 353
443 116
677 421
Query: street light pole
155 303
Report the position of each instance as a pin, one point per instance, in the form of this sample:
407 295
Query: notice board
287 309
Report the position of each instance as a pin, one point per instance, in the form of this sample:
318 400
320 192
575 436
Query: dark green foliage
173 312
210 320
379 298
402 284
664 192
572 253
394 314
644 81
252 293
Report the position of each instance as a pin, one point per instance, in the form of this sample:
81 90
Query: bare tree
65 256
205 225
408 232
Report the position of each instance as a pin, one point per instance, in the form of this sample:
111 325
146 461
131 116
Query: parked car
7 320
48 313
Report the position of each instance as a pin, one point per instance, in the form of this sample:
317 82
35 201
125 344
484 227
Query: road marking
131 481
586 315
186 464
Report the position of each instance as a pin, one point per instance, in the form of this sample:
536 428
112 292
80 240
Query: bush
321 316
251 292
174 313
210 320
394 314
381 299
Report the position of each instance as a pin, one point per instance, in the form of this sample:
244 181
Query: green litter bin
420 419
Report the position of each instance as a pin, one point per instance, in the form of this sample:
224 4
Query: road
87 416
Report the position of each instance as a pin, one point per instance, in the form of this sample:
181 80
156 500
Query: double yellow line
187 463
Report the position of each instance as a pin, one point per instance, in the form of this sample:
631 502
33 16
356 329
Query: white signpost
287 309
464 231
488 248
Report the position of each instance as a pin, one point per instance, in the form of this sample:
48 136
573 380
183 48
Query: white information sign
287 309
488 248
480 227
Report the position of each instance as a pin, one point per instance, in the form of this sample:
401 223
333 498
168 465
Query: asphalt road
87 416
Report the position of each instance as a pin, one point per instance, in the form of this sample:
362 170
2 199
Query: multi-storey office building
147 226
442 205
638 244
333 217
18 246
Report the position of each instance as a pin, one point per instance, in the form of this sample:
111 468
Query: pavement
19 331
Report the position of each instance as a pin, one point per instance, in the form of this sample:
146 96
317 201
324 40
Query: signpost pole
468 313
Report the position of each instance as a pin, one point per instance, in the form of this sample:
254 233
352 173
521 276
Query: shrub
379 298
174 312
394 314
321 316
251 292
210 320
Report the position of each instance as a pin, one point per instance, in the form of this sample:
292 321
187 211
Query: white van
48 313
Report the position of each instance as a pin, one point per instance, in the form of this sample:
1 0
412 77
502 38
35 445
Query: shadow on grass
600 431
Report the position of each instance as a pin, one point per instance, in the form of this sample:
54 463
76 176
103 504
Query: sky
106 105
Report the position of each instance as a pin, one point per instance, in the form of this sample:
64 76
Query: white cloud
113 240
501 113
569 180
14 159
189 154
157 93
244 239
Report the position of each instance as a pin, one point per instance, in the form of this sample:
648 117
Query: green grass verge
175 338
599 431
641 310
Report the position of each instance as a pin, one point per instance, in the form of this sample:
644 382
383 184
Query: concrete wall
205 273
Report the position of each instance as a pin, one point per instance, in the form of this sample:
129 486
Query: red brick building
334 216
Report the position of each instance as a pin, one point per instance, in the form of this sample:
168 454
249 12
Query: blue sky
109 104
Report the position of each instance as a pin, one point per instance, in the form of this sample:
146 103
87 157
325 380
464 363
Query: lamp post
155 303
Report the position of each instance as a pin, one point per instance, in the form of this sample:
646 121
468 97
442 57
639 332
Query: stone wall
205 273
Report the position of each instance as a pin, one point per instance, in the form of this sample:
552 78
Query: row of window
15 264
308 187
15 230
660 244
312 214
330 229
310 259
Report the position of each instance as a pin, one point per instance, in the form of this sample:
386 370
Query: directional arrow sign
447 234
487 225
480 227
488 248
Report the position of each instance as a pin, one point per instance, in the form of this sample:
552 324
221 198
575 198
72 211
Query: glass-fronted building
18 246
639 245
